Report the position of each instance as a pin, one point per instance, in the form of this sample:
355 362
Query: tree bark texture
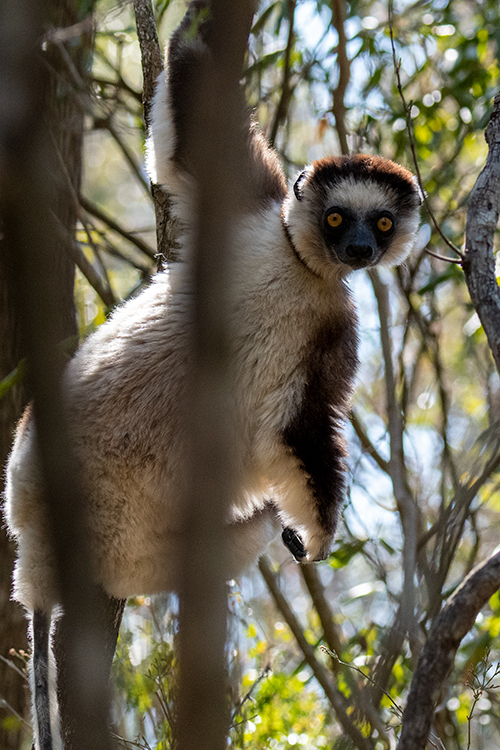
152 66
482 220
436 661
12 620
34 173
64 115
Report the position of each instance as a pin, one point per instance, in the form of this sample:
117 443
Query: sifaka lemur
295 361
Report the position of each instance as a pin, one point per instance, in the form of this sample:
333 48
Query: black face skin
357 241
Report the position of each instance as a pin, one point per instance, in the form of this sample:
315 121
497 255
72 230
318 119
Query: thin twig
103 290
337 658
118 84
249 694
142 744
442 257
11 665
127 152
367 444
5 704
144 269
407 110
335 697
86 268
98 213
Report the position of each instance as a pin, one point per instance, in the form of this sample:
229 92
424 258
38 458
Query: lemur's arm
170 156
315 437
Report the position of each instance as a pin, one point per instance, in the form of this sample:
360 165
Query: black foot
294 543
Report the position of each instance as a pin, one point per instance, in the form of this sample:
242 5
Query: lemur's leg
110 612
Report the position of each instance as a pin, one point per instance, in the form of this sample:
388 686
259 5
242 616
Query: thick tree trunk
12 622
65 59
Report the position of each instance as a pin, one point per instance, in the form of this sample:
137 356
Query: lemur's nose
359 251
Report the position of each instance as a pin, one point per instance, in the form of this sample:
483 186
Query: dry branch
335 697
397 467
29 194
367 444
344 66
482 220
98 213
437 658
152 66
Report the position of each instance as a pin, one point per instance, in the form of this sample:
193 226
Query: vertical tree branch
216 146
152 66
482 220
343 65
397 469
29 201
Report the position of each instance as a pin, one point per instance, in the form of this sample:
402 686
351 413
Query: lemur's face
353 212
358 238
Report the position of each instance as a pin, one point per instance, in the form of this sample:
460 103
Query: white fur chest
279 306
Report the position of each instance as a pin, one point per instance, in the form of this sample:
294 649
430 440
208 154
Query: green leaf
265 62
452 272
262 19
13 378
345 553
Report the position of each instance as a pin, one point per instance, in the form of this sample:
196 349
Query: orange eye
384 224
334 219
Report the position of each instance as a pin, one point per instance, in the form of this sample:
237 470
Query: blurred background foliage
425 434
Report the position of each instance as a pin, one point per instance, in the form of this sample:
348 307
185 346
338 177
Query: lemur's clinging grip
295 363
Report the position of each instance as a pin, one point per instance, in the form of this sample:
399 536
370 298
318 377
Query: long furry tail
40 679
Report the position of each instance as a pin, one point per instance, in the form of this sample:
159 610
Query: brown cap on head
384 172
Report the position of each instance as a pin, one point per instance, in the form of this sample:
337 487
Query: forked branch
435 663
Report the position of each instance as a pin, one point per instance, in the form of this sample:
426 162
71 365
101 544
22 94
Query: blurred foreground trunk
65 56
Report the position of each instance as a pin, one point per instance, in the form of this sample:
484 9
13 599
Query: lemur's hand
318 546
294 543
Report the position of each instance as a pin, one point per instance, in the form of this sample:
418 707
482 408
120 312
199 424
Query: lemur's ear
296 187
421 195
